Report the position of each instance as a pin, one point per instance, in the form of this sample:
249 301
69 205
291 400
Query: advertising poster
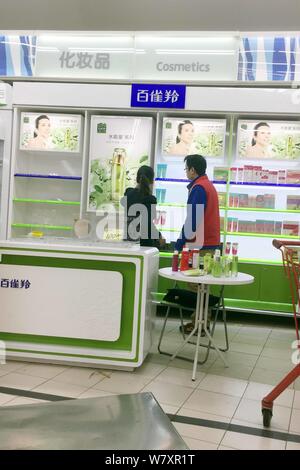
269 140
181 137
50 132
119 145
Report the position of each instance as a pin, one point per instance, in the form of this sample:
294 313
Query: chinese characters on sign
14 283
84 60
158 96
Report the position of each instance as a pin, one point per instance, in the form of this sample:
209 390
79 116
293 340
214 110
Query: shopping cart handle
279 243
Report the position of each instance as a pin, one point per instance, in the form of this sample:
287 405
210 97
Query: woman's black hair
180 126
145 177
197 162
37 121
256 127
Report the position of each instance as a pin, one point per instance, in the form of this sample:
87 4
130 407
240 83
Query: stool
157 299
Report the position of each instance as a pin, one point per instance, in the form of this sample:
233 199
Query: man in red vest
202 225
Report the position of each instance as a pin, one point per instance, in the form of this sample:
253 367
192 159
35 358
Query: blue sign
158 96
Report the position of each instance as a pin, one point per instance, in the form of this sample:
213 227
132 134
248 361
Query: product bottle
289 146
217 266
207 262
227 248
212 144
118 174
67 138
175 261
235 259
195 263
226 261
190 259
184 263
201 263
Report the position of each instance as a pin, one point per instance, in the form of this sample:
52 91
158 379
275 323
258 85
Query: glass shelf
264 235
261 209
49 227
47 201
178 180
268 185
61 177
167 204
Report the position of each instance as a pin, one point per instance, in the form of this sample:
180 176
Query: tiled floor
220 403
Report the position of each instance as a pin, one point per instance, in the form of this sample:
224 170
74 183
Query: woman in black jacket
140 210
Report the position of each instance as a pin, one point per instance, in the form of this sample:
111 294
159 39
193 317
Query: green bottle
217 266
289 146
226 265
118 174
207 262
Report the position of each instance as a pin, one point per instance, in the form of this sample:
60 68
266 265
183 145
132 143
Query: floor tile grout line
229 427
32 394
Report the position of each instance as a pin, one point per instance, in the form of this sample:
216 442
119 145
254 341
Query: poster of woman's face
50 132
181 137
268 140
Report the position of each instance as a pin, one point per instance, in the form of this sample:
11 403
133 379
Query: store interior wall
150 15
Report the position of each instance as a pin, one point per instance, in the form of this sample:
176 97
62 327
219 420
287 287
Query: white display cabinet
46 181
5 152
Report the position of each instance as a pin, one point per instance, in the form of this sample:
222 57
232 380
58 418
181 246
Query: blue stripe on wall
292 58
2 56
10 71
26 69
279 60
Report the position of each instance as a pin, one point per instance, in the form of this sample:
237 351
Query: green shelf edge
258 209
264 235
50 227
47 201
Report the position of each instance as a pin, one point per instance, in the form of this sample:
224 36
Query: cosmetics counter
78 301
64 209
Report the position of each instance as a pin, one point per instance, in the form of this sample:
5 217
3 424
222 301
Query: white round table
204 283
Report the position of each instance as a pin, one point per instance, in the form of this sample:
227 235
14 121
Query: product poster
269 140
50 132
119 145
181 137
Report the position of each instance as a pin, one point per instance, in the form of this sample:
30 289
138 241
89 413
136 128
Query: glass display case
255 167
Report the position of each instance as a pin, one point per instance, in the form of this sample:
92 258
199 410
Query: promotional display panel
118 147
51 132
269 140
182 137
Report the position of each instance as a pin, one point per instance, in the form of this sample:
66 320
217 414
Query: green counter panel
128 271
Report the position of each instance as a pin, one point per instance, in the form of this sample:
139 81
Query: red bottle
175 261
184 264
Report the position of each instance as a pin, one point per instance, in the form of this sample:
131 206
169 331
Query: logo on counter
14 283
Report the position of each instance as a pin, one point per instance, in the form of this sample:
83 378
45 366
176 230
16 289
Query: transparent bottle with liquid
289 146
118 173
234 261
217 265
226 261
207 262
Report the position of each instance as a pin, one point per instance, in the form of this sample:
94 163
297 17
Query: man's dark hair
197 162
